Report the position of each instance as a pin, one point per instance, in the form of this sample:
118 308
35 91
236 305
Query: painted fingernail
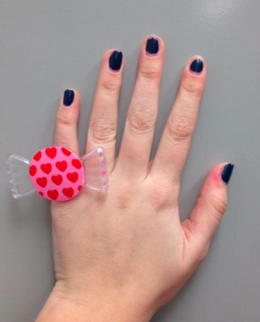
227 172
152 46
115 60
68 97
197 66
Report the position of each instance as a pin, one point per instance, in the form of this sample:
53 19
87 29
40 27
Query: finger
208 210
67 121
141 117
102 129
176 139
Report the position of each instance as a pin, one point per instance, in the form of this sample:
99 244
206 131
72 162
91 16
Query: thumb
209 208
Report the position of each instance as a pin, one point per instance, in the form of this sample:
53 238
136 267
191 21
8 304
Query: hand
121 255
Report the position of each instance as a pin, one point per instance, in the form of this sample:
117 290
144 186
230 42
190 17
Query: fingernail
115 60
152 46
227 172
68 97
197 65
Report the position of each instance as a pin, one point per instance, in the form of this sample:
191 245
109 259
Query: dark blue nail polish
152 46
115 60
197 66
227 172
68 97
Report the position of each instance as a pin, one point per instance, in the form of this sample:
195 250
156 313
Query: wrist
93 308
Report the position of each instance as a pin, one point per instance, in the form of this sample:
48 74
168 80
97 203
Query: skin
121 255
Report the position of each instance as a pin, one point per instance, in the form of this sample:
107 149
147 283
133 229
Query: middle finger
138 134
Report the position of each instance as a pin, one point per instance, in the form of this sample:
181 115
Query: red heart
51 152
41 193
53 194
57 179
37 156
68 192
32 170
73 177
42 182
76 163
46 168
61 165
65 151
79 188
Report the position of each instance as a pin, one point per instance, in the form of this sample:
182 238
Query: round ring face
56 173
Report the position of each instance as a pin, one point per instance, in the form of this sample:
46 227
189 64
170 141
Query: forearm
59 309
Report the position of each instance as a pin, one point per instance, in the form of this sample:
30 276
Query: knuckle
180 127
142 119
219 206
192 89
64 119
65 142
161 195
149 71
203 254
109 86
199 251
125 197
103 130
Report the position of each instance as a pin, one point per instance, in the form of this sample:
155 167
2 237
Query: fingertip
196 68
153 36
194 77
221 174
113 60
197 65
153 46
227 172
70 98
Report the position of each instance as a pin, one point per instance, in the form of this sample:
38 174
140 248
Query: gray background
47 46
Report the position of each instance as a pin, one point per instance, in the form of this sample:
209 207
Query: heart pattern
65 151
32 170
61 165
46 168
42 182
37 156
56 173
73 177
51 152
57 179
68 192
53 194
76 163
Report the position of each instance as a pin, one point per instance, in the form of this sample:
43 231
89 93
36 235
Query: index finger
176 139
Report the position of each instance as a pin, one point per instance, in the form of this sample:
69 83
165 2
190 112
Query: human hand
122 254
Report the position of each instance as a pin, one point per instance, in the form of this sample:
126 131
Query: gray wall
47 46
